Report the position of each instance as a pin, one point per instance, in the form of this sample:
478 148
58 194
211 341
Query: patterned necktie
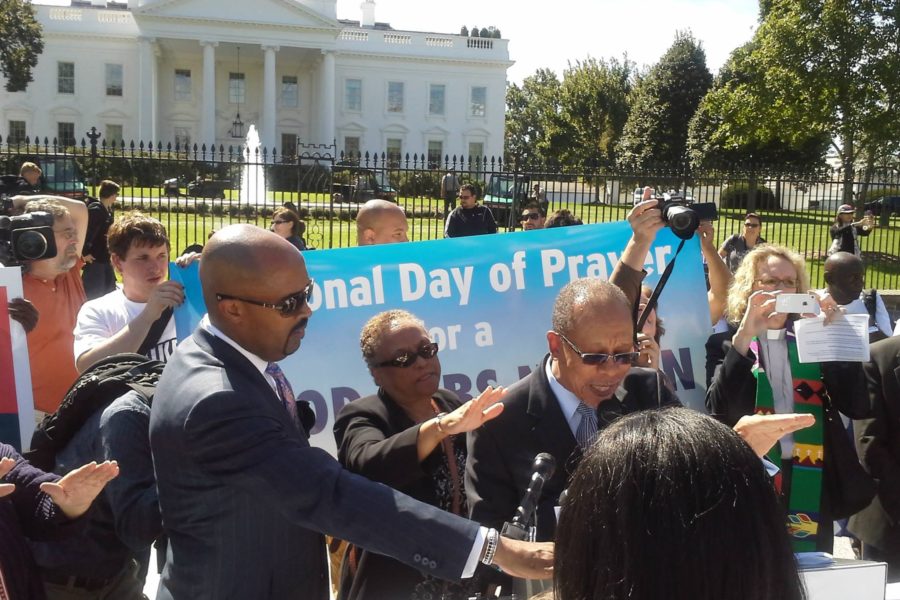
285 393
587 429
4 594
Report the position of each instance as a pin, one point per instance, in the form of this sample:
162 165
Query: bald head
380 222
588 298
844 277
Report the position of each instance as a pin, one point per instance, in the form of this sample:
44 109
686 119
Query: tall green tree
664 102
21 42
826 66
593 109
531 113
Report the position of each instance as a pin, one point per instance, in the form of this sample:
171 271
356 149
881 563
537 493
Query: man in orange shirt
54 287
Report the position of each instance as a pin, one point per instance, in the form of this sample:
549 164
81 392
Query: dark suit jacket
878 444
502 451
731 392
376 439
244 497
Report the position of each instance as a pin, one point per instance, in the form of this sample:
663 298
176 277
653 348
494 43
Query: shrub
737 195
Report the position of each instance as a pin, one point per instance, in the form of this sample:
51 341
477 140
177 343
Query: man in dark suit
878 444
583 384
243 496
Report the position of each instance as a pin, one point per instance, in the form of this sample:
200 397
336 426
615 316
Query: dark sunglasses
279 222
751 225
286 306
409 358
597 358
530 217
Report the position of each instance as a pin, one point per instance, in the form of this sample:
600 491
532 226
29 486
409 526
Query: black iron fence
196 189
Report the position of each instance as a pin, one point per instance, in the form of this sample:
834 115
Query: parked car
889 204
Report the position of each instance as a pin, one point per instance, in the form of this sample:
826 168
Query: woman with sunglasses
288 225
410 435
755 369
734 249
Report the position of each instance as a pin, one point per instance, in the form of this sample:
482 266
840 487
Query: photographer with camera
52 283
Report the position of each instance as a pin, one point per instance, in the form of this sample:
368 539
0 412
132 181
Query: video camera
26 237
683 216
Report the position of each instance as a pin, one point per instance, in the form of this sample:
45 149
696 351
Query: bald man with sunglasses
244 497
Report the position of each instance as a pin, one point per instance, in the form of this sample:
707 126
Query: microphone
541 470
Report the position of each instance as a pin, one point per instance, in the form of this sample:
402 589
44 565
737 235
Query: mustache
300 325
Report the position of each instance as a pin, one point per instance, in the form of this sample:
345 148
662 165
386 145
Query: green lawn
806 232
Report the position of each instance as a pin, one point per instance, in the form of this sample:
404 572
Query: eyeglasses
286 306
409 358
69 233
599 358
777 283
751 225
530 217
279 222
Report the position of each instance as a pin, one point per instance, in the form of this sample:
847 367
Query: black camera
26 238
683 216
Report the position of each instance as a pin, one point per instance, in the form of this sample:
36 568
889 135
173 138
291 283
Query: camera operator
54 287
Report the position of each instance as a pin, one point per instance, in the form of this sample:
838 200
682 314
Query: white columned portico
147 90
208 94
267 132
326 98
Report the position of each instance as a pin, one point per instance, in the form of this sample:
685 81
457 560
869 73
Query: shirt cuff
475 553
771 468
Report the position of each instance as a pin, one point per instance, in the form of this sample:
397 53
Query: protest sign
16 404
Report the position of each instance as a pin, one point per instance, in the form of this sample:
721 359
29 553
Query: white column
267 133
326 98
147 91
208 94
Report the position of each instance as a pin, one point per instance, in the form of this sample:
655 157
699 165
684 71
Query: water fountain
253 175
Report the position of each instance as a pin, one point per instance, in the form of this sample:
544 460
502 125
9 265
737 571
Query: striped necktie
285 393
587 428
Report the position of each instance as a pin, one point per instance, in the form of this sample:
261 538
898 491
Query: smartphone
796 304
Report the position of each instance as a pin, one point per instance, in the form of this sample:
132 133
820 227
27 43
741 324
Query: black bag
96 388
846 487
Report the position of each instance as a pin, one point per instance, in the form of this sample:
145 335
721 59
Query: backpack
95 389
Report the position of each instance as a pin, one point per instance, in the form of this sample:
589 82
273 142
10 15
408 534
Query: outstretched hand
475 413
6 465
761 432
75 492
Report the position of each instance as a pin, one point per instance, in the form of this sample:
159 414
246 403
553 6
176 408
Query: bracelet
493 538
440 416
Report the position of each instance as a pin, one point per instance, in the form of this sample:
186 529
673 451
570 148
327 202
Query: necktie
587 429
285 393
4 595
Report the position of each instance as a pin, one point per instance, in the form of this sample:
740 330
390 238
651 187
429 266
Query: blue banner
487 302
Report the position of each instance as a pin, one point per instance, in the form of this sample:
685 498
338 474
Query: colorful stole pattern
809 454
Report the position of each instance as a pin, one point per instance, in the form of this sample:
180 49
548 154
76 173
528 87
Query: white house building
186 70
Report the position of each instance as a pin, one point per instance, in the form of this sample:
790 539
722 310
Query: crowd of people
217 468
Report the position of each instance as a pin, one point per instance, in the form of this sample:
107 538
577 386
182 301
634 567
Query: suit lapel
548 423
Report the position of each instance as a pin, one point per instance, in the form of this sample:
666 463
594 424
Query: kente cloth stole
809 454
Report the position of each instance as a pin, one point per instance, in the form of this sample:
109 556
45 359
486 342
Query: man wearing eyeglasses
469 218
532 217
585 382
244 498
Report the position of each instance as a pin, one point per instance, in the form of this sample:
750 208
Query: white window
113 135
65 77
353 95
237 88
394 150
478 101
290 92
435 153
183 85
395 97
65 134
114 80
436 97
16 132
351 146
182 137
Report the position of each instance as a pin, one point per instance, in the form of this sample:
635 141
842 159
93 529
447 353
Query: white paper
846 338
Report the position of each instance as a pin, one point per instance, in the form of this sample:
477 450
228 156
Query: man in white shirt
123 320
845 279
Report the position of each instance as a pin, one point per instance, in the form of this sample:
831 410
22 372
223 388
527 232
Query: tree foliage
662 106
531 114
22 43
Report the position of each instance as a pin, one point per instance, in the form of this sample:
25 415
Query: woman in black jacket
845 232
410 436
